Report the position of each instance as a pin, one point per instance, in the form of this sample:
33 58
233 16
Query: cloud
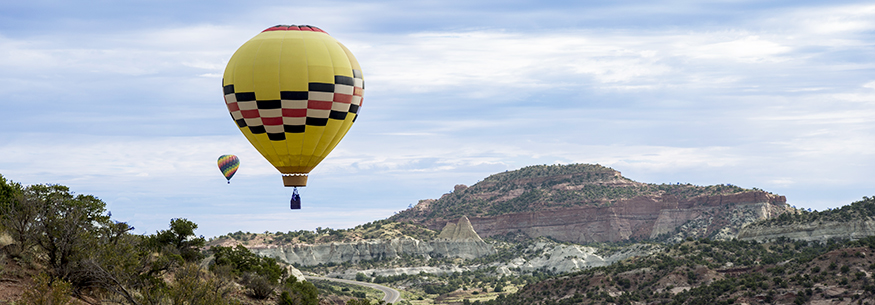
129 159
487 63
745 49
839 19
429 62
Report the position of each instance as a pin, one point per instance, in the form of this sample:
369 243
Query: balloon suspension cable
295 203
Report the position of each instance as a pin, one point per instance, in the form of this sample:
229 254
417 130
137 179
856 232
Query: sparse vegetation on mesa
858 210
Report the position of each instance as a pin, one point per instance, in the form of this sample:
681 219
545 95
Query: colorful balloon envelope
294 92
228 164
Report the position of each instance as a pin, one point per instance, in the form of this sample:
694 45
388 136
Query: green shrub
47 292
298 293
244 261
361 277
260 286
179 240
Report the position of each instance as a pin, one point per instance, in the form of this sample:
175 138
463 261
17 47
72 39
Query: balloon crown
293 27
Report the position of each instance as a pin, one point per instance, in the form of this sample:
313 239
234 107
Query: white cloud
139 51
836 20
78 157
487 63
745 49
442 61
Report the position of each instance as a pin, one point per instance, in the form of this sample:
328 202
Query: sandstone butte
639 218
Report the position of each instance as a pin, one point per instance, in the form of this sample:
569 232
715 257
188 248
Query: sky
123 100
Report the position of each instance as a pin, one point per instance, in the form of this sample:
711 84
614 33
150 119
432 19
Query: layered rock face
815 231
459 240
641 218
555 257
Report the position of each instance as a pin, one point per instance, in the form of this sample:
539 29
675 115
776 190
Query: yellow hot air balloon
294 91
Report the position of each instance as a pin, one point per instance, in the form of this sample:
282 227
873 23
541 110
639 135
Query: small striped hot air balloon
228 164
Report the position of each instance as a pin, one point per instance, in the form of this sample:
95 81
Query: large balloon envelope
294 92
228 164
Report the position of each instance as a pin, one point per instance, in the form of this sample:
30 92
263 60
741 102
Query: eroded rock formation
457 240
463 230
543 256
813 231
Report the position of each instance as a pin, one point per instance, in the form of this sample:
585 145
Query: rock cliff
641 218
456 240
853 221
812 231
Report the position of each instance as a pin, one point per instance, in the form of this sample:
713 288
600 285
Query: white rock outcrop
563 258
456 240
813 231
541 256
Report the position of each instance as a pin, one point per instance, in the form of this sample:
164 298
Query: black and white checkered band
295 110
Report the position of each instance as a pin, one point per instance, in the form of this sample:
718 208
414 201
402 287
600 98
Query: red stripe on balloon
294 113
272 121
322 105
250 114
